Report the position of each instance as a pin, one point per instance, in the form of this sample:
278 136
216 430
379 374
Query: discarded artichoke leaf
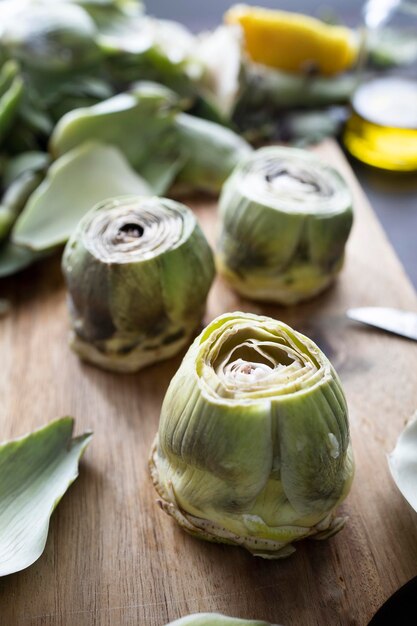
138 272
146 122
36 471
74 183
51 37
403 462
285 219
14 258
215 619
31 161
139 123
220 53
112 15
265 90
253 445
15 198
154 50
213 152
11 92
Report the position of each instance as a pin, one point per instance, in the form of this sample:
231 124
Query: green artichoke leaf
216 619
253 445
74 183
15 198
112 16
36 470
139 123
213 153
30 161
264 87
50 37
11 92
151 49
195 152
402 462
14 258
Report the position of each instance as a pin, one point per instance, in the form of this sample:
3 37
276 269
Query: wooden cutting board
113 558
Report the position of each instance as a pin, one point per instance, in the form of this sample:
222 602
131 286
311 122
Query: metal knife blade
395 321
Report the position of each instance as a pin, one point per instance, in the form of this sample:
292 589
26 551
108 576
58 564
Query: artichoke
253 445
285 218
138 271
215 619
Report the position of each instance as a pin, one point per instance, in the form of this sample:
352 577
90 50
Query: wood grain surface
113 558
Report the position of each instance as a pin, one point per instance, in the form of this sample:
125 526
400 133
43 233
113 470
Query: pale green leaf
76 182
403 462
35 472
14 258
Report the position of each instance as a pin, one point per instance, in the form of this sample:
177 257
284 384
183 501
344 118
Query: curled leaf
78 180
35 472
403 462
14 258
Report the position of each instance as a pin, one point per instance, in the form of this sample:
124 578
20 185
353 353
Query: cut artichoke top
135 231
292 180
252 357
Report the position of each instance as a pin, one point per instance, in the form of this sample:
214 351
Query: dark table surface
393 196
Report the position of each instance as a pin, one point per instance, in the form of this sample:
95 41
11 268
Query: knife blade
395 321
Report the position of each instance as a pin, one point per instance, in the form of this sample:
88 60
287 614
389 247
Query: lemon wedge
294 42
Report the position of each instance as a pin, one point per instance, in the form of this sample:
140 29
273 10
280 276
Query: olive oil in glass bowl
382 129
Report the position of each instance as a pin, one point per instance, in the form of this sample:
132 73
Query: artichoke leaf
402 462
213 152
199 153
50 37
14 258
74 183
36 470
133 121
140 123
11 93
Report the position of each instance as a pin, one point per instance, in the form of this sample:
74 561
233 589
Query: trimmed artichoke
215 619
285 219
253 445
138 272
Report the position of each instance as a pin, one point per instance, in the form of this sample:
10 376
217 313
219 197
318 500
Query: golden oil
382 130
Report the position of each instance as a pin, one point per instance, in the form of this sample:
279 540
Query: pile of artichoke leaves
98 92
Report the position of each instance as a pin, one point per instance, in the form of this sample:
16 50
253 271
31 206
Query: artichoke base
297 284
131 362
215 533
